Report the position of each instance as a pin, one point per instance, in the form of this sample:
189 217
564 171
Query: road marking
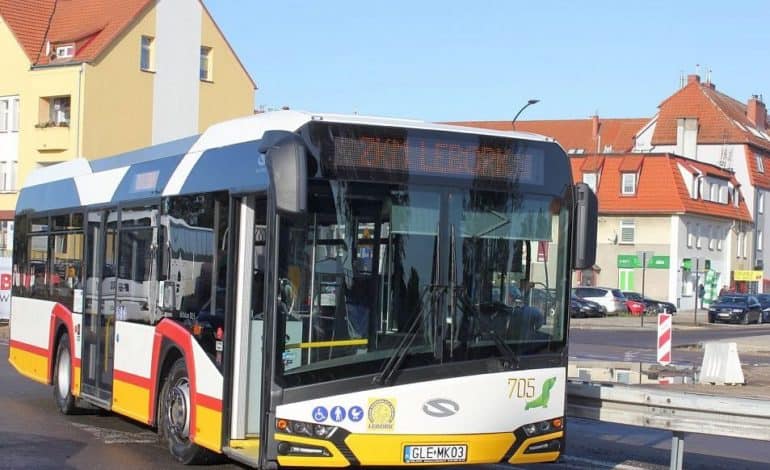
112 436
569 459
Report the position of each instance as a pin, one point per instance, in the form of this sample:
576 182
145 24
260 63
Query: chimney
595 126
757 112
693 78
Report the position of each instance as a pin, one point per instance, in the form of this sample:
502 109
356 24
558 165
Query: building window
629 184
5 115
712 234
739 244
205 64
723 194
714 193
627 231
8 176
55 111
698 236
65 52
590 179
759 240
760 202
690 237
6 234
760 164
719 244
146 59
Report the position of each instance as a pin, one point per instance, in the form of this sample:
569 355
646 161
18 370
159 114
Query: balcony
52 138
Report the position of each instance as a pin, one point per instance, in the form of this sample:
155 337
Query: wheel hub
63 373
178 409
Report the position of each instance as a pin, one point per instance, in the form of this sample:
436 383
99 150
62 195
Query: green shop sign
633 261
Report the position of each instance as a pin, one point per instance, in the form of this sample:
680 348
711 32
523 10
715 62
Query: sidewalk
681 319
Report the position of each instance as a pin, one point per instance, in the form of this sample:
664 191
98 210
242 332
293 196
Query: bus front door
99 312
247 248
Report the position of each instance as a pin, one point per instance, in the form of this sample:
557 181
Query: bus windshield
461 269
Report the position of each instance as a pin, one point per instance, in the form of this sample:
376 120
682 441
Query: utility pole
529 103
697 291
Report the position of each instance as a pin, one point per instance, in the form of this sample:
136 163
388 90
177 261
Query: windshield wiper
399 354
510 359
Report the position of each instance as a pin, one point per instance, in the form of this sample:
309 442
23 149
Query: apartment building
93 78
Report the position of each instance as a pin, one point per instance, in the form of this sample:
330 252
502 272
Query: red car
634 307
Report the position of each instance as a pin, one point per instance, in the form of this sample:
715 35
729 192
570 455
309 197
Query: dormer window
628 186
65 51
591 179
760 164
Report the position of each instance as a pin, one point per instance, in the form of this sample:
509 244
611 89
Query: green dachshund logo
545 395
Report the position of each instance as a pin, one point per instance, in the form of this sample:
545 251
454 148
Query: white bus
310 290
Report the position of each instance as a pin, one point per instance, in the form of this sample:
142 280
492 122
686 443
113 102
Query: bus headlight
542 427
299 428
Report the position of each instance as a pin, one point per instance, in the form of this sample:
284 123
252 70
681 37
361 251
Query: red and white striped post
664 339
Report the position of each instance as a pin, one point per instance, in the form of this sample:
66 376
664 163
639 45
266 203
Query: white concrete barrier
721 364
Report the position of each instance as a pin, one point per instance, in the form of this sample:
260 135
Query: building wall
15 66
41 146
117 114
175 97
651 234
230 93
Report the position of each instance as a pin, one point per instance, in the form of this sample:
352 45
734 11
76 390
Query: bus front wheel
175 407
62 377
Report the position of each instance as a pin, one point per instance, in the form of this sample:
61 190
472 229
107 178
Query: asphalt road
34 435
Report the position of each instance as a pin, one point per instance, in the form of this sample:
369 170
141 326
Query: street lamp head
530 102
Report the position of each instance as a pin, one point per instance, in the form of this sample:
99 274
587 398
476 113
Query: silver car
612 299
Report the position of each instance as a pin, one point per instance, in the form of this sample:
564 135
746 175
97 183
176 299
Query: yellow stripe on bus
208 428
131 400
76 381
536 457
381 449
29 364
327 344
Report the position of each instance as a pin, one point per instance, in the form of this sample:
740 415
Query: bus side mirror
584 233
287 165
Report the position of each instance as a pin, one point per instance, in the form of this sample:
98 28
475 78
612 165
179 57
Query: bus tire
62 377
175 406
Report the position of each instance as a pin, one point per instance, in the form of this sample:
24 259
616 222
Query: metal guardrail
675 411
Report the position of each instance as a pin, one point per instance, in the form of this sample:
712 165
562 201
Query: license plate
724 314
435 453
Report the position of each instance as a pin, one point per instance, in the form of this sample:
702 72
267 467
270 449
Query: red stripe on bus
209 402
178 335
64 315
37 350
132 379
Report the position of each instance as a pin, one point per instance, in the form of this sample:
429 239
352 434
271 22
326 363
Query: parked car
611 299
635 307
652 306
736 308
582 308
764 301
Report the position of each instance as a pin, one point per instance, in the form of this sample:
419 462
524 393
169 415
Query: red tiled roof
631 163
592 163
758 178
721 119
660 188
617 134
28 21
94 24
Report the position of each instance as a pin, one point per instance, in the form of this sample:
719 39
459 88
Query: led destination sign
444 154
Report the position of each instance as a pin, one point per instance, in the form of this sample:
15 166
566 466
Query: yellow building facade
129 74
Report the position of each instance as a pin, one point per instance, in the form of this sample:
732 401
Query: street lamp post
529 103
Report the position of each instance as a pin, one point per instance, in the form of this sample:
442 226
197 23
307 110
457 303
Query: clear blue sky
482 60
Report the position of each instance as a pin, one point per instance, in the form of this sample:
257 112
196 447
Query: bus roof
210 161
